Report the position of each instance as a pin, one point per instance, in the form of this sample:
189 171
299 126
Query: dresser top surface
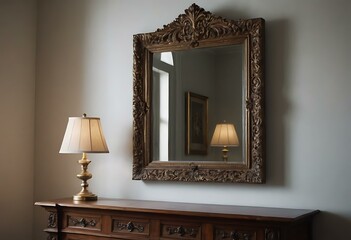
189 209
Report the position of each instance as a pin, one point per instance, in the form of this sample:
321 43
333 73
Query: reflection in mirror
163 114
225 136
214 72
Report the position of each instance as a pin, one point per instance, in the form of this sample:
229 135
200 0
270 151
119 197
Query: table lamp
225 136
84 135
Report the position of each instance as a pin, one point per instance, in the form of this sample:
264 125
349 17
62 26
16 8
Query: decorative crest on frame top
195 25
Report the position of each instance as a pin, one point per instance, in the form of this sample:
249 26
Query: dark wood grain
189 209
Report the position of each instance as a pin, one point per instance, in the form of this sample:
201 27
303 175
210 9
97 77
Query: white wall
17 83
85 65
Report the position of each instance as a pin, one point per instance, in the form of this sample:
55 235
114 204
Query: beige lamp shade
224 135
84 135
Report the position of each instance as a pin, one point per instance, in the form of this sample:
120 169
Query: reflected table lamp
225 136
84 135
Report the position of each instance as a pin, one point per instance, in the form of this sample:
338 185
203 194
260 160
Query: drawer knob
181 231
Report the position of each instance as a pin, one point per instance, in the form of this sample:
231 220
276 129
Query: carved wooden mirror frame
198 28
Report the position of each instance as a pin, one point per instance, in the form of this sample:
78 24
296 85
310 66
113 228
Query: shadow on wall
61 76
329 225
277 105
228 12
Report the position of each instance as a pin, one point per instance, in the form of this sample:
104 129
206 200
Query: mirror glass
215 73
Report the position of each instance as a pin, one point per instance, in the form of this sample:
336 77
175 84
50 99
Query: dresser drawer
82 222
235 233
131 226
180 230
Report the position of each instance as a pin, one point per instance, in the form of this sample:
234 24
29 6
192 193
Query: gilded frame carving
199 28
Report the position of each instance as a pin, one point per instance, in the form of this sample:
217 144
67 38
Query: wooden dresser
137 220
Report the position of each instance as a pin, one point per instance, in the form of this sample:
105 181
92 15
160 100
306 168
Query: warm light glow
84 135
225 135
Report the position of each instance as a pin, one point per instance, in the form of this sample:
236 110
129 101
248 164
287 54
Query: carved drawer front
131 226
234 233
180 231
83 222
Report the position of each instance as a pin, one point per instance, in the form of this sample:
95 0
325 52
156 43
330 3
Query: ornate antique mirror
198 103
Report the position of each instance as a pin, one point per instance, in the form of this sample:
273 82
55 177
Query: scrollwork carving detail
233 235
52 220
82 222
182 231
196 25
130 226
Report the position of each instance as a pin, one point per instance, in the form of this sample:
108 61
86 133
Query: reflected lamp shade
225 136
84 135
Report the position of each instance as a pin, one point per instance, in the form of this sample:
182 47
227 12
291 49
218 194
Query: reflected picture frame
196 130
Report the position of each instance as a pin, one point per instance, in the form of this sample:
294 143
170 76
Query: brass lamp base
225 153
84 194
91 197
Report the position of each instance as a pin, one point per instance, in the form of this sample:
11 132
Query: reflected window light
167 58
163 85
164 113
162 69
